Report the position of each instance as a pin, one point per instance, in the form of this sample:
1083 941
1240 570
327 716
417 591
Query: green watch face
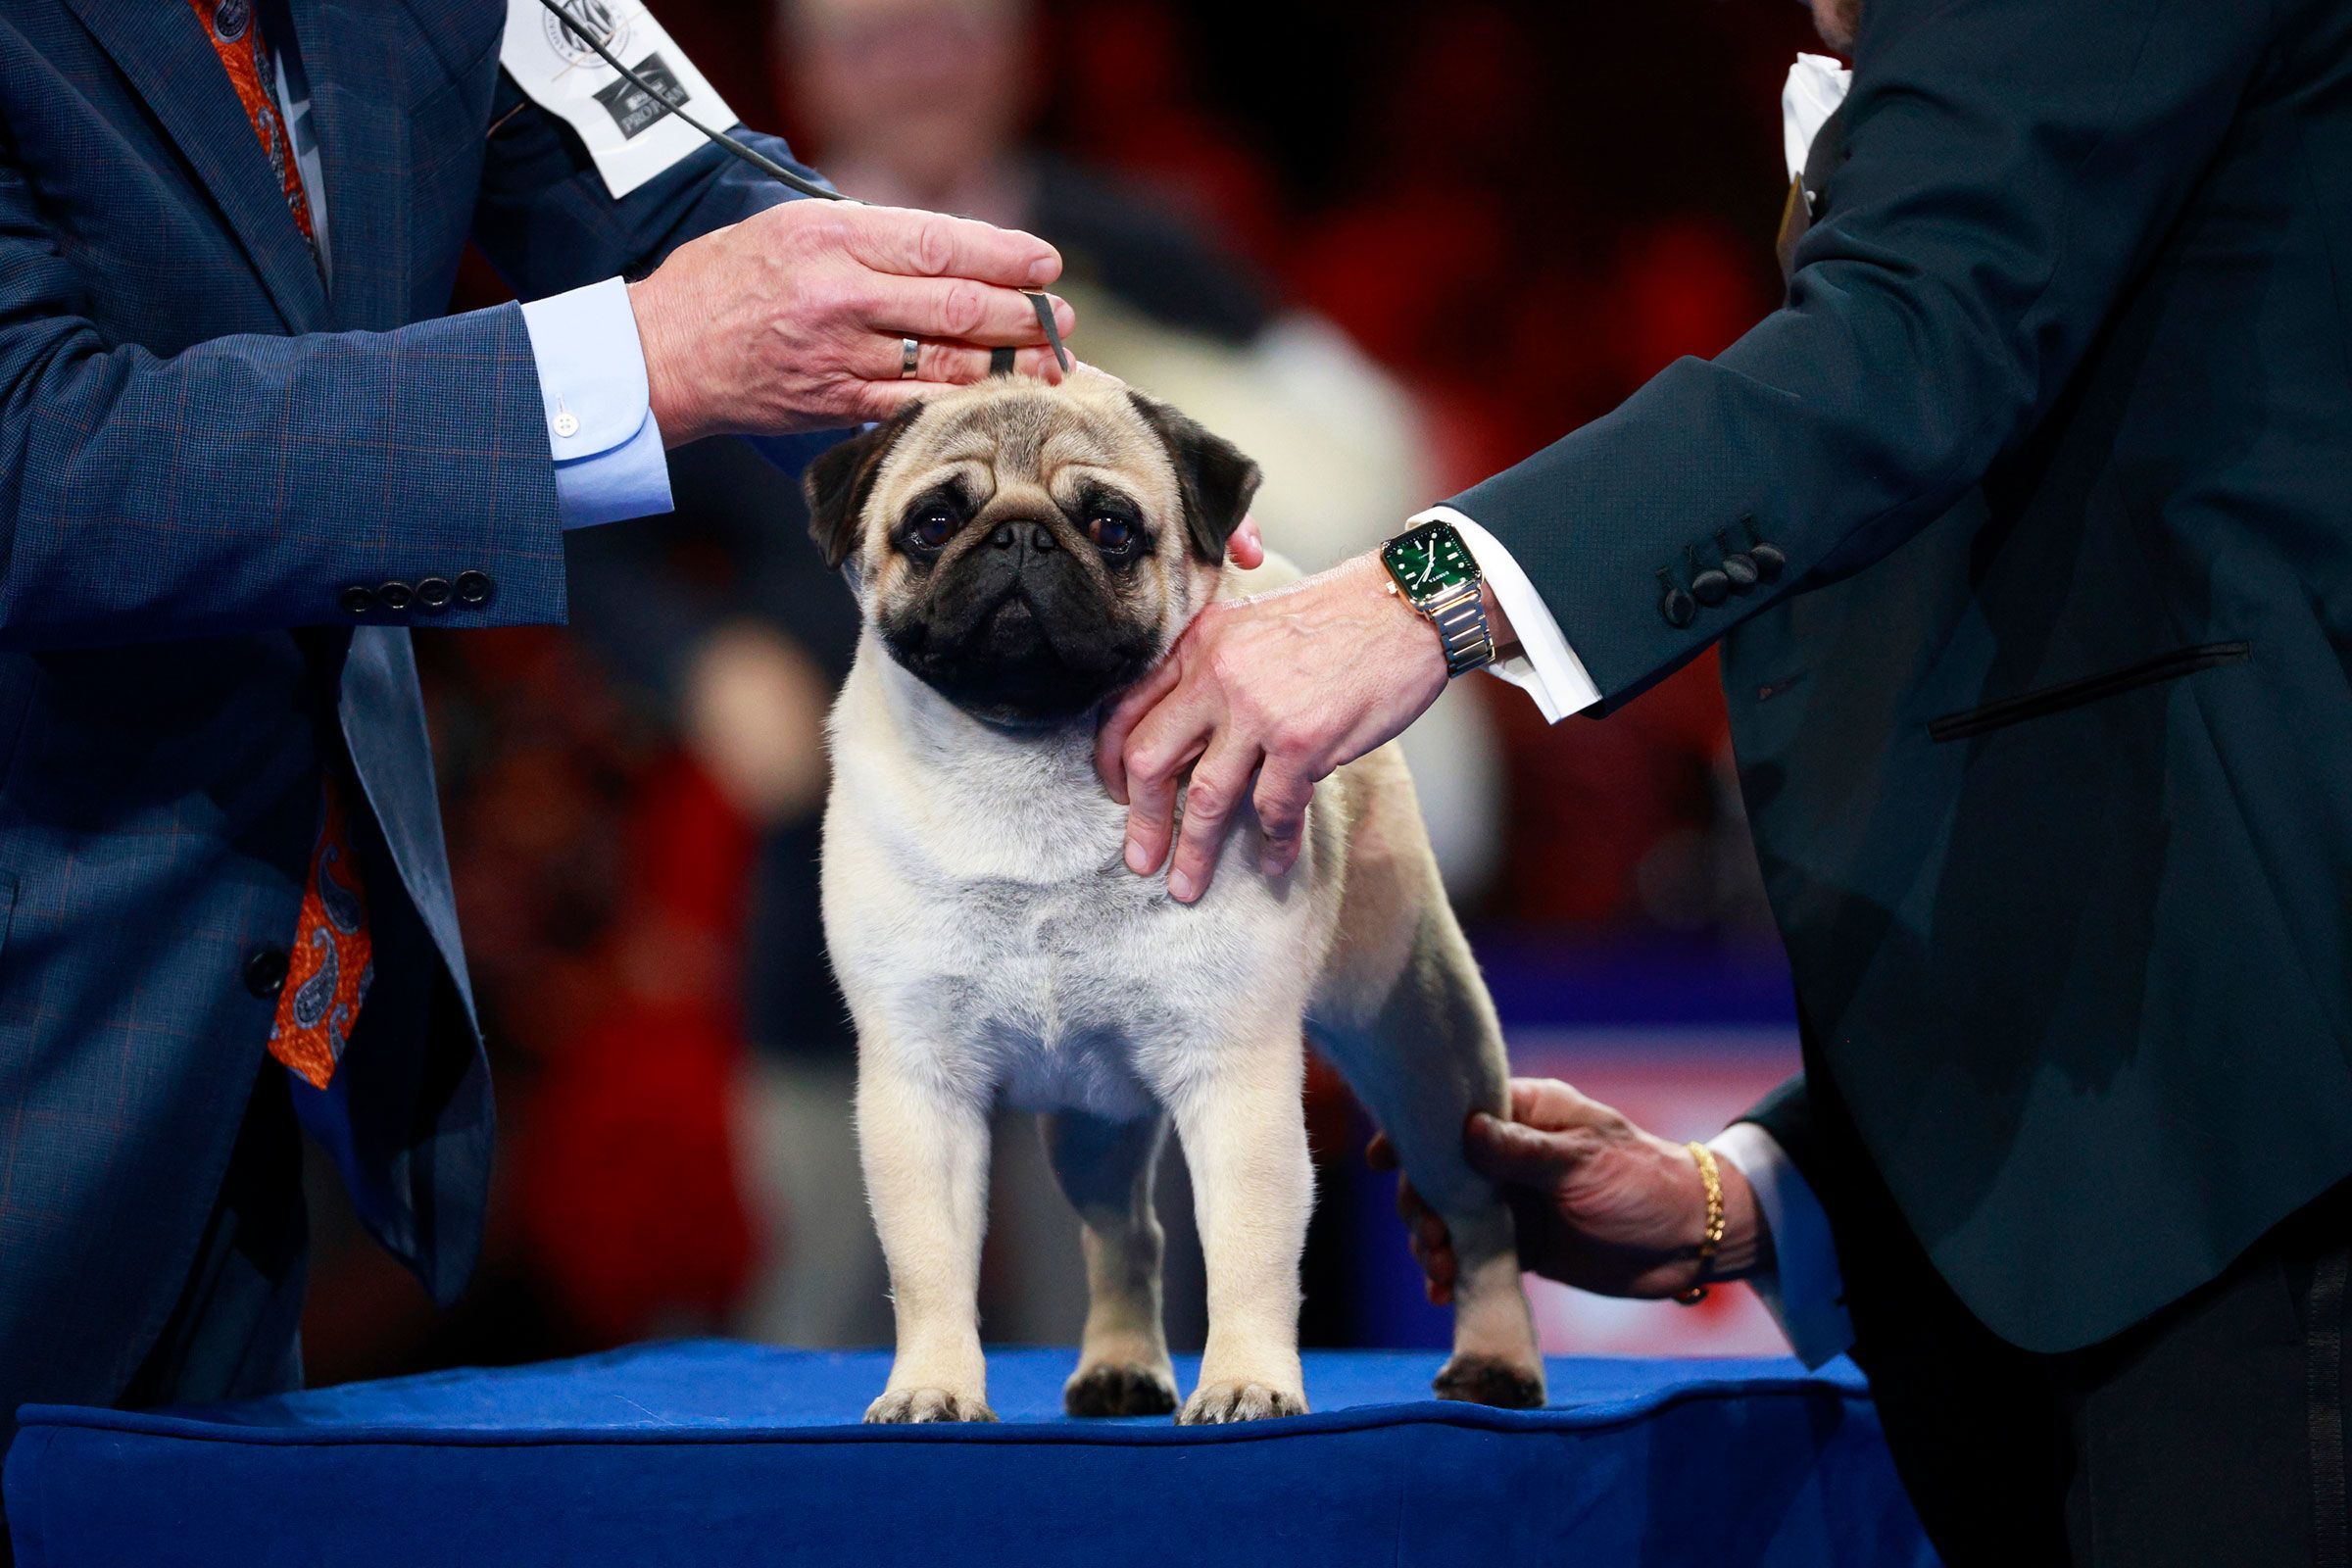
1428 561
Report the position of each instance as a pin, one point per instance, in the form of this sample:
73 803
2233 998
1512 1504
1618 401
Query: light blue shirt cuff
610 462
1805 1291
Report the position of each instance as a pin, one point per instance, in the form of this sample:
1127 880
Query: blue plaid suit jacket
202 447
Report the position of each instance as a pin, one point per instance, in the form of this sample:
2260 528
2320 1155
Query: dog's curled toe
910 1406
1484 1380
1119 1388
1214 1403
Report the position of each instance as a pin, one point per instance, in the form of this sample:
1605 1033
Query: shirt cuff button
567 424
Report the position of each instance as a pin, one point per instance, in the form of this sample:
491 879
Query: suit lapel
352 60
161 47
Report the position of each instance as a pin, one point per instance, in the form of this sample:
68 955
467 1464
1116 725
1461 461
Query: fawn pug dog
1020 554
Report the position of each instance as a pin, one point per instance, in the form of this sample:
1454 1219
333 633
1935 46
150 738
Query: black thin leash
1000 363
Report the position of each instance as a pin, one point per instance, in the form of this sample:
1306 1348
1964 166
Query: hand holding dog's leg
1244 1141
925 1154
1105 1169
1599 1203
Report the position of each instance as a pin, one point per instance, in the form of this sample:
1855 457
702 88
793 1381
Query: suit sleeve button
434 593
265 972
358 600
1769 561
395 595
474 588
1679 608
1741 569
1711 587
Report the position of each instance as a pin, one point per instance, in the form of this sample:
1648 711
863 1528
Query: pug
1020 554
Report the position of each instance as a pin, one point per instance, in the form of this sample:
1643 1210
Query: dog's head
1027 550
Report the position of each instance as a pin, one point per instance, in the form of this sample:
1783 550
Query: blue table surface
707 1456
723 1391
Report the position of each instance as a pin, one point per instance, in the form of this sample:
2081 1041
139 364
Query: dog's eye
932 530
1111 534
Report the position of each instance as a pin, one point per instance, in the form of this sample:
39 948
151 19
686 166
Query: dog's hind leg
1430 1056
1105 1169
1405 1015
924 1146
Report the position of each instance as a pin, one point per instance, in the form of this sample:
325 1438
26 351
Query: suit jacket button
358 600
434 593
1679 608
395 595
265 972
1711 587
474 588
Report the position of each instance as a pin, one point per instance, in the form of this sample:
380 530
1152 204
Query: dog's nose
1037 535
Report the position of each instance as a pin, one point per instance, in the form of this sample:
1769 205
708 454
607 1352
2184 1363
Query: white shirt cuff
1545 667
610 462
1805 1290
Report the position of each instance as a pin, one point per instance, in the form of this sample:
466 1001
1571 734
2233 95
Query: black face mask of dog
1033 559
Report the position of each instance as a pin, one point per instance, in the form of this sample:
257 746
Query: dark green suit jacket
2045 726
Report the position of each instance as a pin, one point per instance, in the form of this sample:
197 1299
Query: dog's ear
1217 479
838 480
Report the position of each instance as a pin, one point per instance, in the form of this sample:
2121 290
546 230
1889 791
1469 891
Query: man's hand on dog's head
796 317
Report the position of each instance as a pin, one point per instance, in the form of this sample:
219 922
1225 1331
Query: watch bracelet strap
1461 622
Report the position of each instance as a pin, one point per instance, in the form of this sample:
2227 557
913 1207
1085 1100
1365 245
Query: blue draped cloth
708 1454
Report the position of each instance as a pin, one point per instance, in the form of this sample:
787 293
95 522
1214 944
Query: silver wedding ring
908 348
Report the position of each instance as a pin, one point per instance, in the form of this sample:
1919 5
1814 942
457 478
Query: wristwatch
1431 569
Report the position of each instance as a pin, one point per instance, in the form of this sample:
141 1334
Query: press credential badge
629 135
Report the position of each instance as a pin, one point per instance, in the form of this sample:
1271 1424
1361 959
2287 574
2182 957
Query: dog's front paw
1120 1388
1484 1380
1213 1403
904 1406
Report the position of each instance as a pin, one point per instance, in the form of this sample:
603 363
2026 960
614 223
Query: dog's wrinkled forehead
1008 436
981 452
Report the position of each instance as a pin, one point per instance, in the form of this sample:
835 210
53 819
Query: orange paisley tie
332 962
236 33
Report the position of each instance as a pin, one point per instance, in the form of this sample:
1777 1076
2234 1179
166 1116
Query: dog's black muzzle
1017 631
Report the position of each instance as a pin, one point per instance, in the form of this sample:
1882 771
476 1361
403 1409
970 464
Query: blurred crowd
1387 249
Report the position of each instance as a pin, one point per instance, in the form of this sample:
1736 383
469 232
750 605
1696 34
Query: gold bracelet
1708 1173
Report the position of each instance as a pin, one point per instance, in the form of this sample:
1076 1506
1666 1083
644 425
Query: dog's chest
1082 988
980 916
1054 988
